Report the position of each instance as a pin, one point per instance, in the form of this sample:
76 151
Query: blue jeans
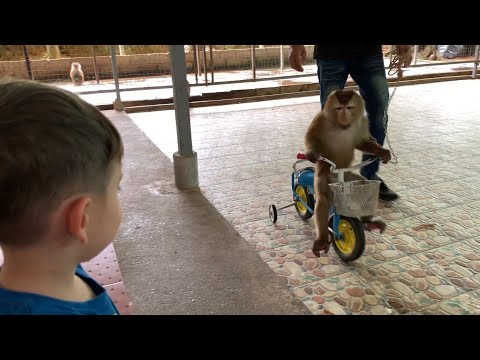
368 72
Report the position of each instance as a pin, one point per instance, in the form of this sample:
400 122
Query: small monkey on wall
76 74
335 133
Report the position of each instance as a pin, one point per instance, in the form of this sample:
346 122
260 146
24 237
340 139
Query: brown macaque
76 74
334 133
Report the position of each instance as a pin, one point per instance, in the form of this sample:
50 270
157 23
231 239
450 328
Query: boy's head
59 168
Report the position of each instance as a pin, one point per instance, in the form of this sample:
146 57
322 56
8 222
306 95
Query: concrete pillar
475 65
117 104
185 159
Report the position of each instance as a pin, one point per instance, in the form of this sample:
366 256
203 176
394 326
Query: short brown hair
53 144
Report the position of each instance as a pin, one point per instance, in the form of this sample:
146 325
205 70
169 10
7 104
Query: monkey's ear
332 93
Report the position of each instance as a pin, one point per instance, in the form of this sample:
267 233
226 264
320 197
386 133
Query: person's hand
404 53
402 59
297 57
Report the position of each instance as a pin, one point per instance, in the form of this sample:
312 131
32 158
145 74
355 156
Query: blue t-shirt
22 303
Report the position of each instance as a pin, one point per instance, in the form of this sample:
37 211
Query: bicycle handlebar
333 166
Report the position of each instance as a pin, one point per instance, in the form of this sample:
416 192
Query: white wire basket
356 198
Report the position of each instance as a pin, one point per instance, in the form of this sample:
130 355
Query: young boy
60 169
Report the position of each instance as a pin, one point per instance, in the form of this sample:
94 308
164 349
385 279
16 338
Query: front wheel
351 244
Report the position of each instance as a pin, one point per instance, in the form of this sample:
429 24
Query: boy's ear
77 218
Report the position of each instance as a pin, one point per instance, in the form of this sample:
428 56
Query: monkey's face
345 107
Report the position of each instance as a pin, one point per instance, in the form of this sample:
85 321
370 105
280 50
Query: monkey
76 74
334 133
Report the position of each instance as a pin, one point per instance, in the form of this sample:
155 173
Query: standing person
364 63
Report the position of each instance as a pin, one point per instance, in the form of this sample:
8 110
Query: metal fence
147 67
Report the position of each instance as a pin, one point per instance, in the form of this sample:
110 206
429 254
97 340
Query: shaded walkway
176 252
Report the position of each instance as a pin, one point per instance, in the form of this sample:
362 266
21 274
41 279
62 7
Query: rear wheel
272 213
303 194
351 244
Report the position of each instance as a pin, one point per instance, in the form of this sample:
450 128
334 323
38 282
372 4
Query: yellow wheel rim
346 245
302 195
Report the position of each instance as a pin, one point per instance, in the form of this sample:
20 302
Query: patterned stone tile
377 250
293 230
223 193
407 284
451 193
406 182
265 235
461 219
472 206
343 294
418 233
391 211
458 262
227 194
414 202
298 265
252 173
246 210
464 304
474 243
231 160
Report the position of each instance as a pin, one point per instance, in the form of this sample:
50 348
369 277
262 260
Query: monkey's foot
322 244
375 225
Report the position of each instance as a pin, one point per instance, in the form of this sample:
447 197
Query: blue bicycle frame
305 177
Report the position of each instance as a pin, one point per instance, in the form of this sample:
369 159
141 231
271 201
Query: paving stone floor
245 156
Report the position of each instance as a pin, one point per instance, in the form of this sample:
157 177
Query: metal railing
147 67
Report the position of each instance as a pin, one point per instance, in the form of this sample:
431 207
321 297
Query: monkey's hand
384 155
311 156
322 244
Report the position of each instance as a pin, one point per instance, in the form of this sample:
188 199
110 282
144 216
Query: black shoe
386 194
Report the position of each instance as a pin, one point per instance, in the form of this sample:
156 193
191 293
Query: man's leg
332 75
369 74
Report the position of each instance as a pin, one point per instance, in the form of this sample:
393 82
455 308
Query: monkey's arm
372 147
310 150
313 150
315 140
367 145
